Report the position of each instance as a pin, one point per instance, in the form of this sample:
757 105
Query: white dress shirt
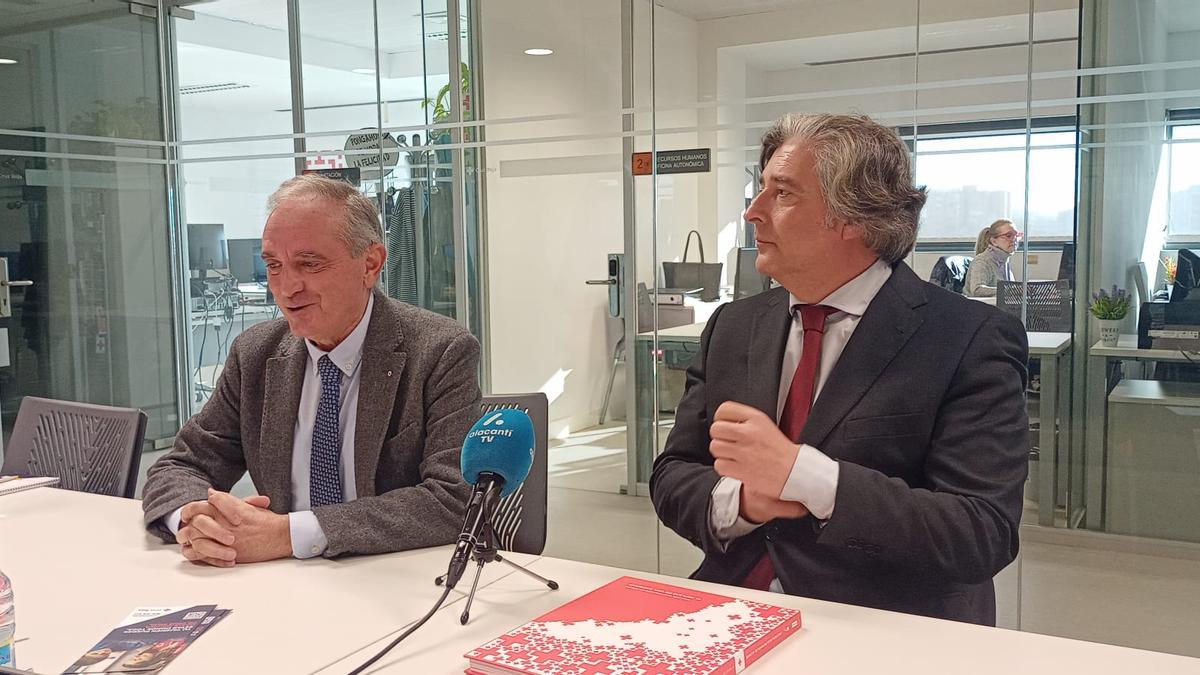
814 476
308 539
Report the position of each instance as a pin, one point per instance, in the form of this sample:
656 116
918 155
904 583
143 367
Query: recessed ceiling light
7 62
539 51
364 71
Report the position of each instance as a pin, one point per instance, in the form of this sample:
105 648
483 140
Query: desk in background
80 562
1091 473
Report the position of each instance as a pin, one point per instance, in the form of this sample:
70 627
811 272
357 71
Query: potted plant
1110 309
1170 267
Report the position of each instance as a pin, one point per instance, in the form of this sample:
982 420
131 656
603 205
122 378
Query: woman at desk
993 248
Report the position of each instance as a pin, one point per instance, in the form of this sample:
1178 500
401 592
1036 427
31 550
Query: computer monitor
245 260
1066 264
1187 277
206 247
746 280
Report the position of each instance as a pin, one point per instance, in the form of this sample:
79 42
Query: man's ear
849 231
376 256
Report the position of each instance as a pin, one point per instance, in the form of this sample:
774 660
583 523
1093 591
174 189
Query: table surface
1127 349
79 563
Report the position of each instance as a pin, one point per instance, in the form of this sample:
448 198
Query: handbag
686 275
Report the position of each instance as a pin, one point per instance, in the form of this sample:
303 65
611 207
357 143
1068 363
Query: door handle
601 282
5 285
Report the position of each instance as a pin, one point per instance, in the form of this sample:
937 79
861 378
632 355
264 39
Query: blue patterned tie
325 466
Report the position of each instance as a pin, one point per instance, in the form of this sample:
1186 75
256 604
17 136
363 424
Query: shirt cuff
724 513
308 539
172 520
812 482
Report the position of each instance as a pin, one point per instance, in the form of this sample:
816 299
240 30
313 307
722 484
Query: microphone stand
484 551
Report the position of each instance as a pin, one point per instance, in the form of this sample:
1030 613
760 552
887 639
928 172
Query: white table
79 563
835 638
1053 351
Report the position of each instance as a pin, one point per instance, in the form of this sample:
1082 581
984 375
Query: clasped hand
748 446
224 530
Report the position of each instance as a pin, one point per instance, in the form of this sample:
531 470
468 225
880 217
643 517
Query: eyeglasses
1011 236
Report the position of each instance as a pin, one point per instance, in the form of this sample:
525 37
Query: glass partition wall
510 148
1071 120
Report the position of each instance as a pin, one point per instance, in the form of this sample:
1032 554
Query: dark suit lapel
886 326
382 363
768 338
284 382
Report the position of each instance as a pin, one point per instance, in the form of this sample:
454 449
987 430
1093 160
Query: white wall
554 209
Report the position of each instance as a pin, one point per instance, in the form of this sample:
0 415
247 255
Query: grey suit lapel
768 338
382 363
888 324
284 382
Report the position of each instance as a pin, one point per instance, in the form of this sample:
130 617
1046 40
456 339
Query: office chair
668 317
950 272
90 448
1048 307
520 518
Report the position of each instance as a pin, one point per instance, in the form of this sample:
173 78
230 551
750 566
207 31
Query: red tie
795 411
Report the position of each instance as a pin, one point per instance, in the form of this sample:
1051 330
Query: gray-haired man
349 412
857 435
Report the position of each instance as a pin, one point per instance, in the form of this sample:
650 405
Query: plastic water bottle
8 622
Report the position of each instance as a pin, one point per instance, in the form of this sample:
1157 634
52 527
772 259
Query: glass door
84 225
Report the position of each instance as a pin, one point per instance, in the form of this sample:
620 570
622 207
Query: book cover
632 626
147 640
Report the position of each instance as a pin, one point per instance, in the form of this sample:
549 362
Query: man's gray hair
865 173
361 225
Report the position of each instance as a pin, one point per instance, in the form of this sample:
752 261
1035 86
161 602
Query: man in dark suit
349 412
856 435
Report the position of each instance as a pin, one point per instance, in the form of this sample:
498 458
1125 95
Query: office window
973 180
1183 162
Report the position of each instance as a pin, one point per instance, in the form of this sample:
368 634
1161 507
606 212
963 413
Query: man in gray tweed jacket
349 412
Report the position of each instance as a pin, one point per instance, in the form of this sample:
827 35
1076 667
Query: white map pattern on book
685 643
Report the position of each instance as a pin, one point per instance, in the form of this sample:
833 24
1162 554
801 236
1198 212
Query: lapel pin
389 373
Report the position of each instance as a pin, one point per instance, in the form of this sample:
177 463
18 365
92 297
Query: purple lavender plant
1110 305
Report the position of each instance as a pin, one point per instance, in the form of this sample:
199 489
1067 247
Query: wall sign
362 152
696 160
350 174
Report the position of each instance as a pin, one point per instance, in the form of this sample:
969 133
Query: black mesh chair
950 272
520 518
1048 308
89 448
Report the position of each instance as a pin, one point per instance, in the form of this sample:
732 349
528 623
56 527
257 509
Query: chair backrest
950 272
520 518
90 448
1048 307
746 279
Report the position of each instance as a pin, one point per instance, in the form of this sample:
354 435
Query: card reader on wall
1169 325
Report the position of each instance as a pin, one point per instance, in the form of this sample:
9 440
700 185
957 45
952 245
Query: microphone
496 457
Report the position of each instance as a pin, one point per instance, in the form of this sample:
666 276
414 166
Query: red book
637 627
